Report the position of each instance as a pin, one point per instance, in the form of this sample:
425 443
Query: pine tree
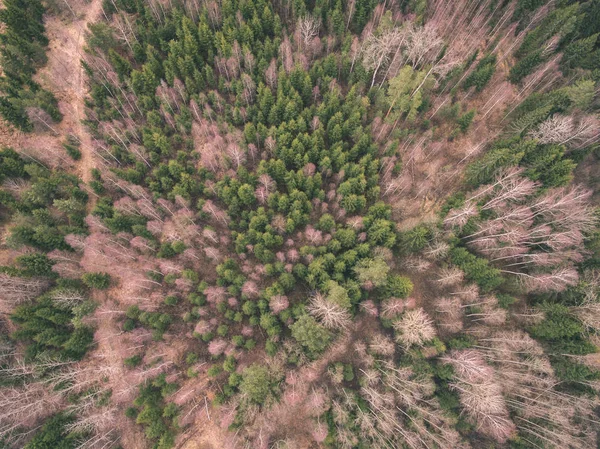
581 54
14 114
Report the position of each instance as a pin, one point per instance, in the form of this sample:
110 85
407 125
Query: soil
65 76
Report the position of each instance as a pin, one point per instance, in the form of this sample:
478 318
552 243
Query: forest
299 224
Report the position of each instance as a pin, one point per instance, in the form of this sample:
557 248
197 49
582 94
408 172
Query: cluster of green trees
54 329
22 51
159 419
550 164
50 206
157 321
571 28
482 74
476 269
565 335
315 132
546 163
43 213
316 135
54 434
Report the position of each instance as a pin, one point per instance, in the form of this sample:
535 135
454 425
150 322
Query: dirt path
65 76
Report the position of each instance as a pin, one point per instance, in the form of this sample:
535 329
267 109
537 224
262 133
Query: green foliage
348 373
415 239
229 364
400 91
171 300
52 206
545 163
133 361
36 264
574 375
128 325
525 66
465 120
524 7
71 146
581 93
47 328
22 52
476 269
557 324
482 73
158 321
558 21
483 169
505 301
258 384
380 232
214 371
53 434
100 281
580 53
11 164
372 271
311 335
397 286
157 418
326 223
252 148
338 295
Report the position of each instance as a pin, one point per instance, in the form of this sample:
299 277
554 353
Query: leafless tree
565 130
523 223
392 308
450 313
382 345
450 276
414 328
286 54
271 74
422 41
328 313
438 249
67 297
378 50
541 411
480 394
308 26
16 290
21 408
460 216
278 303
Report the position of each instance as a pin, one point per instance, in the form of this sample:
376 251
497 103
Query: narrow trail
65 76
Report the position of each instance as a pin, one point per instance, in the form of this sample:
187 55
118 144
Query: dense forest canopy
299 224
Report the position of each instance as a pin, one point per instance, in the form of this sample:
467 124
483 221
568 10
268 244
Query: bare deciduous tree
414 328
378 50
308 27
565 130
16 290
480 394
328 313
